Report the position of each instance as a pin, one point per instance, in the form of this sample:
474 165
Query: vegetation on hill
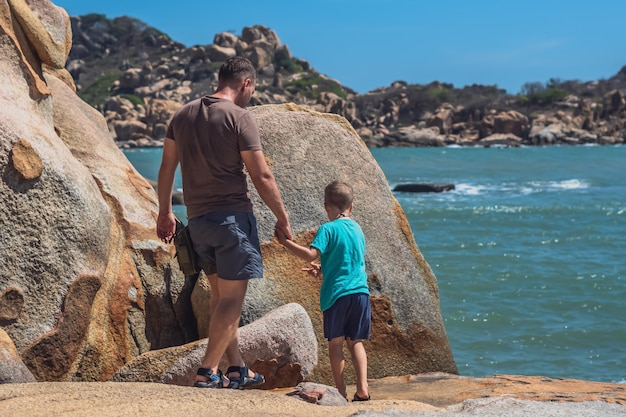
124 57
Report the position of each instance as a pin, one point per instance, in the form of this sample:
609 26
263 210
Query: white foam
573 184
469 189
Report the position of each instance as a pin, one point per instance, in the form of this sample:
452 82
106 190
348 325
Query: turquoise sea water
529 253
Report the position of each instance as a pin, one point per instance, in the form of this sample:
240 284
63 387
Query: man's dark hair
237 68
339 195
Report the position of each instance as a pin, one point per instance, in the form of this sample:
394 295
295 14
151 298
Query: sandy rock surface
418 395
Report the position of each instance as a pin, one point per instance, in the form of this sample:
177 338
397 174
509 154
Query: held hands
281 235
284 228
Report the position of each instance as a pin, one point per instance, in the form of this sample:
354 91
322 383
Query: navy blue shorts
350 316
227 243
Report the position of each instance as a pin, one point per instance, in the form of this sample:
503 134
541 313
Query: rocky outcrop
141 64
86 287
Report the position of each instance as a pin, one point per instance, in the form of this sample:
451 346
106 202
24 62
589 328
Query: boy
344 296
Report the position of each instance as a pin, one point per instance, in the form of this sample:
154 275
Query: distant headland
138 76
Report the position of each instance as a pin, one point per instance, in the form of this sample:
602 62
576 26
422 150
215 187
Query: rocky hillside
138 76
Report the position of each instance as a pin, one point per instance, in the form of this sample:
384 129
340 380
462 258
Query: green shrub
291 67
548 96
90 19
97 93
439 95
287 64
214 66
521 99
305 86
136 100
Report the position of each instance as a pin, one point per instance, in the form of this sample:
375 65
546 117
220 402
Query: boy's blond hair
339 194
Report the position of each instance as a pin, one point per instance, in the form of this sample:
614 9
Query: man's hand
166 227
285 229
281 236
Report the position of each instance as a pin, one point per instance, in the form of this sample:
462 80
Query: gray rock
12 369
218 53
280 345
423 188
318 394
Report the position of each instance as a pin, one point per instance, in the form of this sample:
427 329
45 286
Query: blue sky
366 44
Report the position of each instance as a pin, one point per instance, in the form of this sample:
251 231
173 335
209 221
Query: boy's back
342 254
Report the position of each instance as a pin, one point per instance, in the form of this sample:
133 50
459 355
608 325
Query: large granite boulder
306 151
85 283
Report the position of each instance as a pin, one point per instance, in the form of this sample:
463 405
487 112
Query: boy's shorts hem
349 317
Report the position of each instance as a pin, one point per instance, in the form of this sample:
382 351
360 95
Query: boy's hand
314 270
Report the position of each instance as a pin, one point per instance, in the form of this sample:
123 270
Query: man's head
238 73
339 195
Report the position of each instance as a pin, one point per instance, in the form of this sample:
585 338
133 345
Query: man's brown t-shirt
210 133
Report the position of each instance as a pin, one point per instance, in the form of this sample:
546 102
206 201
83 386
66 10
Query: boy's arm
308 254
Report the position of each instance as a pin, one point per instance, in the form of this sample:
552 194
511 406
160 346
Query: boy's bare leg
337 364
359 361
224 321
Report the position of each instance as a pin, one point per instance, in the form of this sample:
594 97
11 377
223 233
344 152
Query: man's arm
265 184
166 223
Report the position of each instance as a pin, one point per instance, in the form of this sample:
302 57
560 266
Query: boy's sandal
213 380
357 398
243 380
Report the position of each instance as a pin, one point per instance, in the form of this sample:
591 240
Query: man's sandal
242 380
213 380
357 398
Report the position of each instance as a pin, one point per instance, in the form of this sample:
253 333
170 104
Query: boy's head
339 195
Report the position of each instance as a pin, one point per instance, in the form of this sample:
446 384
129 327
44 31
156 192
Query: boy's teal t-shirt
342 254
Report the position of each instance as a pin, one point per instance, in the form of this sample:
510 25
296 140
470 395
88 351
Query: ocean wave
530 187
470 189
573 184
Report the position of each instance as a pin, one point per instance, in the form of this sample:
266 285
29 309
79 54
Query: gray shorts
227 243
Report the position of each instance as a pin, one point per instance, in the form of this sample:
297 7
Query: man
213 138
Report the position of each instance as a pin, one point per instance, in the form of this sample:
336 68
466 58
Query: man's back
210 134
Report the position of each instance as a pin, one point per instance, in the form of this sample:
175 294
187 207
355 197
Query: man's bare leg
232 351
224 321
